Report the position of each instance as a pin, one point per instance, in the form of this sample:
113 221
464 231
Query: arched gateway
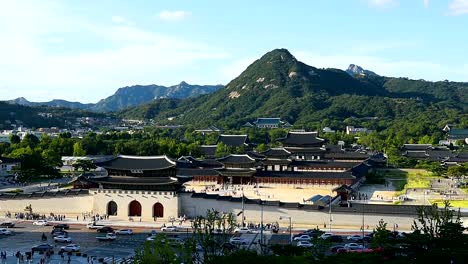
158 210
134 208
111 208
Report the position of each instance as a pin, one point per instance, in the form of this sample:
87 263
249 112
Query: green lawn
406 179
453 203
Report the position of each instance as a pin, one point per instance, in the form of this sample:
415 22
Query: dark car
336 248
228 246
335 238
59 232
61 226
42 248
366 238
105 229
8 224
314 232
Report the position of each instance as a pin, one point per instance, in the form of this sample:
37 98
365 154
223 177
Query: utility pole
330 213
243 217
362 225
261 226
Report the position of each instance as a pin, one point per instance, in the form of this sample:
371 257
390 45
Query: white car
355 237
238 241
305 244
71 248
326 235
151 238
353 246
169 229
243 230
4 231
41 223
63 239
125 232
302 238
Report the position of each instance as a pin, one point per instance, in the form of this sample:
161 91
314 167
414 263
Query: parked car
41 223
63 239
238 241
354 238
336 248
243 230
326 235
61 226
302 238
105 229
314 232
335 238
59 232
353 246
125 232
151 238
7 224
4 231
93 225
107 237
71 248
42 248
169 229
305 244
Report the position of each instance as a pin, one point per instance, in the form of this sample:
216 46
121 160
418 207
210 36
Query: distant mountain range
129 96
278 85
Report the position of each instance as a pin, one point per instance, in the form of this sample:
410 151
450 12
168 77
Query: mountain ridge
278 85
128 96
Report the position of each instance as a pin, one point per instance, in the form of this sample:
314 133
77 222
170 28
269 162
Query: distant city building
8 166
210 129
351 130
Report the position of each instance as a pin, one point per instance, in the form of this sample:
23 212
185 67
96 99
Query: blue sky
85 50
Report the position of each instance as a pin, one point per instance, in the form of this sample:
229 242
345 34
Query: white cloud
117 19
125 55
458 7
426 3
384 3
174 16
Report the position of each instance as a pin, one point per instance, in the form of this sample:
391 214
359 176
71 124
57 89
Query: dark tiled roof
300 150
439 154
305 175
277 152
346 155
70 192
416 154
237 159
232 140
208 150
129 180
301 139
196 172
138 163
416 146
323 164
236 172
255 155
268 121
360 170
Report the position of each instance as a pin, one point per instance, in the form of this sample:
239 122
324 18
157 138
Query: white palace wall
68 205
147 199
198 206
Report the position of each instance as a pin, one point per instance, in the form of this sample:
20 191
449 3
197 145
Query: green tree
84 165
78 150
14 139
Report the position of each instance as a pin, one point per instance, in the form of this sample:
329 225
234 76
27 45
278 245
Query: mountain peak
183 83
358 70
281 54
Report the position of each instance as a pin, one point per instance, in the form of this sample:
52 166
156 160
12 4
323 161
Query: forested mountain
39 116
53 103
278 85
139 94
129 96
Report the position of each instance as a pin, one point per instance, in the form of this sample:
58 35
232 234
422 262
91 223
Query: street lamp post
261 225
290 227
